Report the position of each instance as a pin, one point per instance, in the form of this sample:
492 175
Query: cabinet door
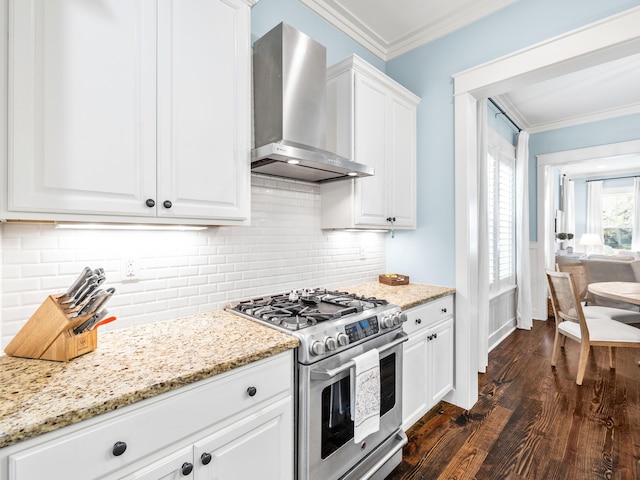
171 467
415 388
441 360
401 163
82 106
204 109
260 446
370 148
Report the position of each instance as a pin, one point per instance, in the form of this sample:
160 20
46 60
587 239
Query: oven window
337 425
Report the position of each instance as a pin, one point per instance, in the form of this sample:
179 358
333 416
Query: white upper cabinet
204 111
372 120
129 111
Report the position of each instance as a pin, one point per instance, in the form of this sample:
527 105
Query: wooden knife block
48 335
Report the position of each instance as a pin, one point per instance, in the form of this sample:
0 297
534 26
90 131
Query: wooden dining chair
578 270
580 277
593 331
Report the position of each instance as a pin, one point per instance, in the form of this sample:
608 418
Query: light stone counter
37 396
405 296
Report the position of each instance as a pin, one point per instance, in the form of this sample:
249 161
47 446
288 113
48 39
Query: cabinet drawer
154 424
425 315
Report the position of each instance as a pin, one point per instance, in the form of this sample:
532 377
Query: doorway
601 42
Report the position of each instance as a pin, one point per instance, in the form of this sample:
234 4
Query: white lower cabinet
225 454
428 358
233 426
176 465
254 448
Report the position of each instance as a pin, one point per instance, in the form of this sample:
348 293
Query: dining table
623 291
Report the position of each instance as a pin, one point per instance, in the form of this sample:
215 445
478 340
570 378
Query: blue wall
428 253
266 14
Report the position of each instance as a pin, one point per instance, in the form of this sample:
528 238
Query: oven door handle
325 374
402 440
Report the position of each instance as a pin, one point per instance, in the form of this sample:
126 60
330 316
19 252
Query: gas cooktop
300 309
325 321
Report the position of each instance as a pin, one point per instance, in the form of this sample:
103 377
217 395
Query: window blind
501 214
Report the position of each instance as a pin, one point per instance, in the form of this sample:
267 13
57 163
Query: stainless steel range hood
289 92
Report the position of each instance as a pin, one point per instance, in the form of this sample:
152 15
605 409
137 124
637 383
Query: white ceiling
597 93
390 28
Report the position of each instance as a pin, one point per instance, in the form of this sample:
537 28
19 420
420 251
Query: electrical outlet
130 269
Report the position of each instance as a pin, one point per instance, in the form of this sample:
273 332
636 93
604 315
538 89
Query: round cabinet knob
330 343
251 391
205 458
150 203
186 468
167 204
444 310
343 339
317 348
418 321
118 448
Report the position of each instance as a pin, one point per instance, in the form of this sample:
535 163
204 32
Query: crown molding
366 36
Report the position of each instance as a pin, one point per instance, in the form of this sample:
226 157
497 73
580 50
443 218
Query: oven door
326 448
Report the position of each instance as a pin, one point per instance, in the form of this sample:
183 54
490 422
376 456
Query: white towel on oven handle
365 395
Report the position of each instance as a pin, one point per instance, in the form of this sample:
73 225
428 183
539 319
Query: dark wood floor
534 422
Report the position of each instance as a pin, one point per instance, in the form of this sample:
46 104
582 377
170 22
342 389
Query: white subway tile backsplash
21 257
185 273
38 243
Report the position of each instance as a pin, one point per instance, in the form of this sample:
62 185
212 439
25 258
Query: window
617 217
501 213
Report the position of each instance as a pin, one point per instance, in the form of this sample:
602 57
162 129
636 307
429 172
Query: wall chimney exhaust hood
289 92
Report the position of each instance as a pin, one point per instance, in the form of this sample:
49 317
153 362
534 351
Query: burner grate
304 308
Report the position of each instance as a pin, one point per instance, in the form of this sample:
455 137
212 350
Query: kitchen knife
90 322
104 322
99 272
74 300
92 304
78 282
84 295
101 302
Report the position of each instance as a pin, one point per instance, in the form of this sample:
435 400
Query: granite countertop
405 296
37 396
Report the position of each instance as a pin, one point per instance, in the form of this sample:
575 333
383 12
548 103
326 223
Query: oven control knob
397 319
343 339
330 343
317 348
387 322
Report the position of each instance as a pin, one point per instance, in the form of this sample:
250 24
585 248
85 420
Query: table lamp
590 240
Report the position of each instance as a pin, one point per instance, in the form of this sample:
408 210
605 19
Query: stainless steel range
334 328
